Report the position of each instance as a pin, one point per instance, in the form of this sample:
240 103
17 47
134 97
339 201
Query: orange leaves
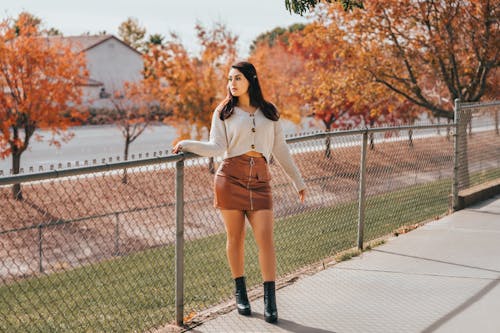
414 43
189 317
329 69
39 81
325 86
277 67
370 63
192 85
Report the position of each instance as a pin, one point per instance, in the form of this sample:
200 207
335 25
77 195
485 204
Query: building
110 63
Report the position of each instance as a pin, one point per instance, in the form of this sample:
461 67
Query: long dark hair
256 99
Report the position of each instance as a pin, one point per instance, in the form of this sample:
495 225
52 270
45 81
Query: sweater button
253 146
253 129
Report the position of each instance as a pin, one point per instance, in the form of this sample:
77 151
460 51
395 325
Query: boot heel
270 308
244 311
242 303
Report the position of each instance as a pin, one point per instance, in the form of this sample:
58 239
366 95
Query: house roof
92 83
84 43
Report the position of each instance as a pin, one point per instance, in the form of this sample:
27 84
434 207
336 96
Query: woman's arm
216 145
282 153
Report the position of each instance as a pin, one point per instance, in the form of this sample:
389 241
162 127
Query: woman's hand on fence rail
177 149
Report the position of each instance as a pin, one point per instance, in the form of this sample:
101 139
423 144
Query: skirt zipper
248 184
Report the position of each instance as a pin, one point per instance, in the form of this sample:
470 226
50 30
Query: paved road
442 277
98 142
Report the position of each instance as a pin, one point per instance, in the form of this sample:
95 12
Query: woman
246 129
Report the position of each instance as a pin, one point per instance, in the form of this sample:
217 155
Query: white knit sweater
243 132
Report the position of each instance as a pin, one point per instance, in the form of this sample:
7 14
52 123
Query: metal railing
115 256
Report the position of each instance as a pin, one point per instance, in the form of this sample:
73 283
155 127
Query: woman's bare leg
262 222
234 220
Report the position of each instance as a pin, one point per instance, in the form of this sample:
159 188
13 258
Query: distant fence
86 251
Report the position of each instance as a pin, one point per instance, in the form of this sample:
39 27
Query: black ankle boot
270 310
240 293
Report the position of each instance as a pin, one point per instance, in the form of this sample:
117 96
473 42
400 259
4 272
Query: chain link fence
83 250
477 125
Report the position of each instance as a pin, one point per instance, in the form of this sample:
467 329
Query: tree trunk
328 152
328 141
463 161
125 158
410 137
372 140
16 166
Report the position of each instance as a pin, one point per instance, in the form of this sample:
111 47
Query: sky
244 18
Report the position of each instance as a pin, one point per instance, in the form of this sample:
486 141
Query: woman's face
237 83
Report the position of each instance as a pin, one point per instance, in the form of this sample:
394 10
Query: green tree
132 33
277 34
53 32
153 40
156 39
302 6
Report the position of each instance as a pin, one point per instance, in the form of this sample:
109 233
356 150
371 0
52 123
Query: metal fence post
117 234
40 248
179 242
362 190
454 187
497 121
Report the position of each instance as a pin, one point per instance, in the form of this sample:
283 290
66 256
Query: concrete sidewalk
442 277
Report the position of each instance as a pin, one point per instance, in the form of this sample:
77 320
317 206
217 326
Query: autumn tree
406 44
132 33
333 89
294 79
493 93
277 66
132 113
336 86
39 86
192 85
36 22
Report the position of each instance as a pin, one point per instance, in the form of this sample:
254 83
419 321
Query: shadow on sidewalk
462 307
436 260
284 324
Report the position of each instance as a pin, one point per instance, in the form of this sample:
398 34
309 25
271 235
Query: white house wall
90 98
113 63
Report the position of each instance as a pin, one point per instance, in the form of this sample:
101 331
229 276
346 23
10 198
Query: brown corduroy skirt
243 183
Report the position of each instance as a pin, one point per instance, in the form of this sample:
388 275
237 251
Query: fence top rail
78 171
22 178
360 131
473 105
